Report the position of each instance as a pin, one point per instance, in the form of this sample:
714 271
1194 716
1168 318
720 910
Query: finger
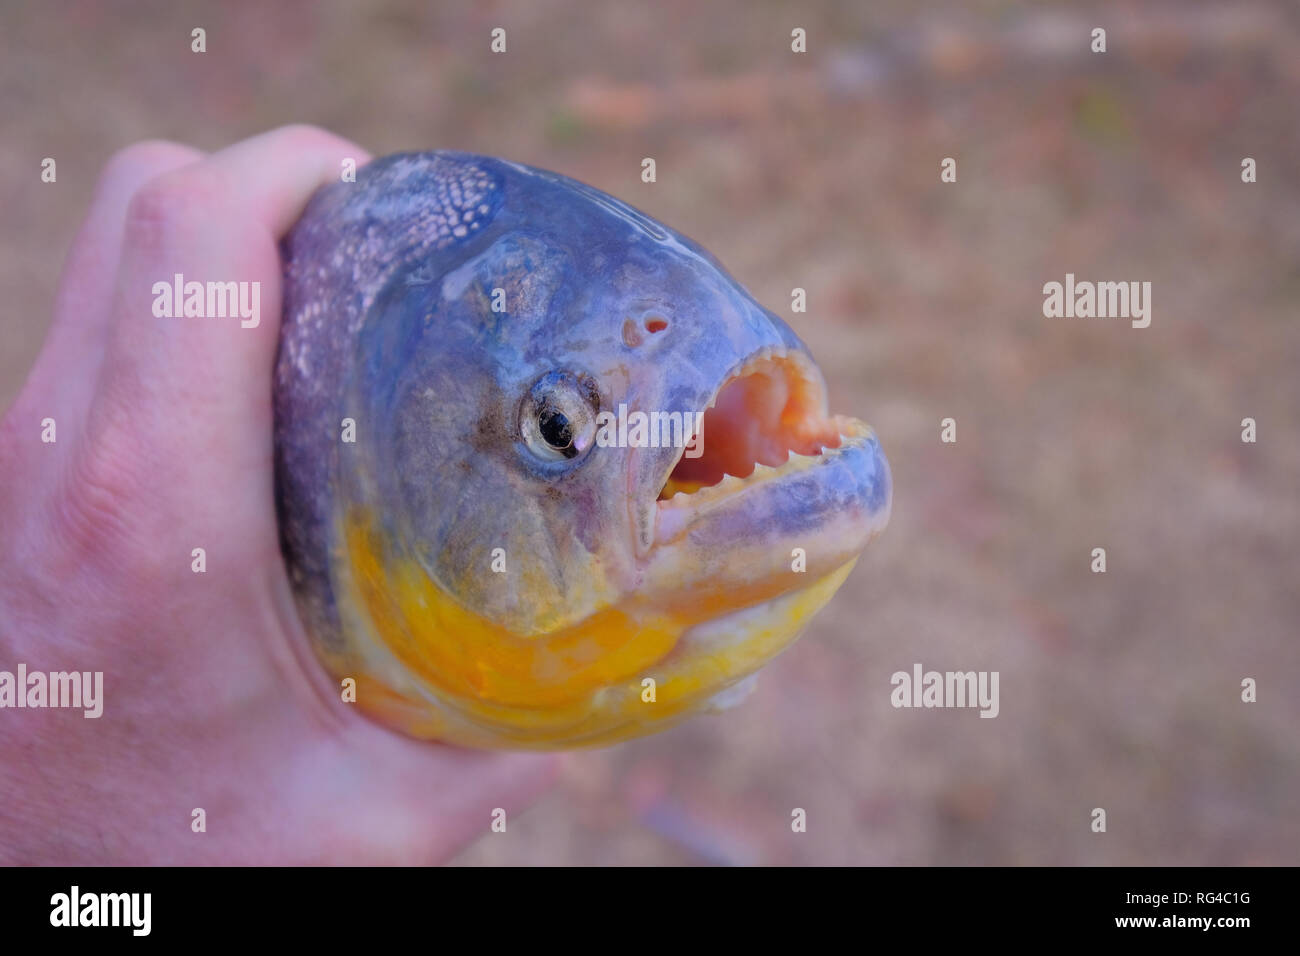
201 385
63 377
431 800
502 787
84 300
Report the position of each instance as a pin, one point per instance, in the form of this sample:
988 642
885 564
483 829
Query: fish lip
666 519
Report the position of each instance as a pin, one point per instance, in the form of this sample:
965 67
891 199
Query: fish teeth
763 356
766 356
729 482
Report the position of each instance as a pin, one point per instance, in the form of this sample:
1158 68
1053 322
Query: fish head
595 461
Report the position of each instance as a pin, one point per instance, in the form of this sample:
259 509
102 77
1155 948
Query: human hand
212 696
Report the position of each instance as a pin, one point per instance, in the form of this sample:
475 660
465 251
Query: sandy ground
1118 690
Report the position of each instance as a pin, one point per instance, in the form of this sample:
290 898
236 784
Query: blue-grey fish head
495 335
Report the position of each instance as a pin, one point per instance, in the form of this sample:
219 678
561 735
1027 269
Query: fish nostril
632 336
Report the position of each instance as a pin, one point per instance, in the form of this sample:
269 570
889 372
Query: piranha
480 531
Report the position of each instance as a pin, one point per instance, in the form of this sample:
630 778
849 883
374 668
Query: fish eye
557 418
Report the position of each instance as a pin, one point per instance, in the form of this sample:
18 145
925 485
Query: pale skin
212 697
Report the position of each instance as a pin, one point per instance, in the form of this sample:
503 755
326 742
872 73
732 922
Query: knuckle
101 514
168 208
305 140
304 135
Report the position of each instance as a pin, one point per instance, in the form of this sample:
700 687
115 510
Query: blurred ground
822 171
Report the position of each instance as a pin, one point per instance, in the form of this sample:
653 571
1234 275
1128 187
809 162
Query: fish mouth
767 421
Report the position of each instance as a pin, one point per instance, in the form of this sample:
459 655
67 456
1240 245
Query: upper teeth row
763 356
